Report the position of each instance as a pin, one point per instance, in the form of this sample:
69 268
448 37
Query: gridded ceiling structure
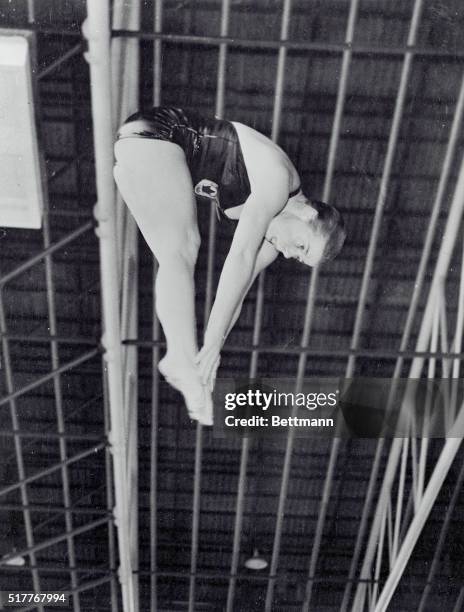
107 490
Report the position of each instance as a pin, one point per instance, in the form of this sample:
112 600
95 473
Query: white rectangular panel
21 189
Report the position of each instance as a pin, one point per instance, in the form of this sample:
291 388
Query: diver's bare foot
186 380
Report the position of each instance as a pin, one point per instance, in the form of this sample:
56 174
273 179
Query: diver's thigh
155 182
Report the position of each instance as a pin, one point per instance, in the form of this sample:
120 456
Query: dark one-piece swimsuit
212 150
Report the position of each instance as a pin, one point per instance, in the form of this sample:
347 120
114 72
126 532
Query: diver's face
297 240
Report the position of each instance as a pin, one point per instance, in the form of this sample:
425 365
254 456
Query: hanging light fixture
17 561
256 562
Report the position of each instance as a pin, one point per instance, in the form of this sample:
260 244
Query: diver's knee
185 245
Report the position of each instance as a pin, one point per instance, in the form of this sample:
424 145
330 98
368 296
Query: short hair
330 224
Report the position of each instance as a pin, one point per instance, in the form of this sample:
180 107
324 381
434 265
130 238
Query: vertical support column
157 76
97 31
125 88
109 493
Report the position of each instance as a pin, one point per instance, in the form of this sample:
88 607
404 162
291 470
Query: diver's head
307 230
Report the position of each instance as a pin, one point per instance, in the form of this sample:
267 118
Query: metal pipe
49 435
60 61
50 470
297 350
154 459
370 50
126 63
400 500
441 539
378 561
157 52
55 247
433 488
52 509
373 538
46 377
97 31
52 569
460 601
323 47
195 516
112 545
457 342
156 333
30 12
46 339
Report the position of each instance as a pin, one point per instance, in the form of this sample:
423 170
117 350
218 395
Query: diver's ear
308 213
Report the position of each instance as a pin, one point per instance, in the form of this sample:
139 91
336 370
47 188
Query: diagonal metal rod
441 539
52 469
46 377
437 478
54 247
460 601
60 61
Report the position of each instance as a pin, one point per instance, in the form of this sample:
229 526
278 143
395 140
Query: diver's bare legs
155 183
